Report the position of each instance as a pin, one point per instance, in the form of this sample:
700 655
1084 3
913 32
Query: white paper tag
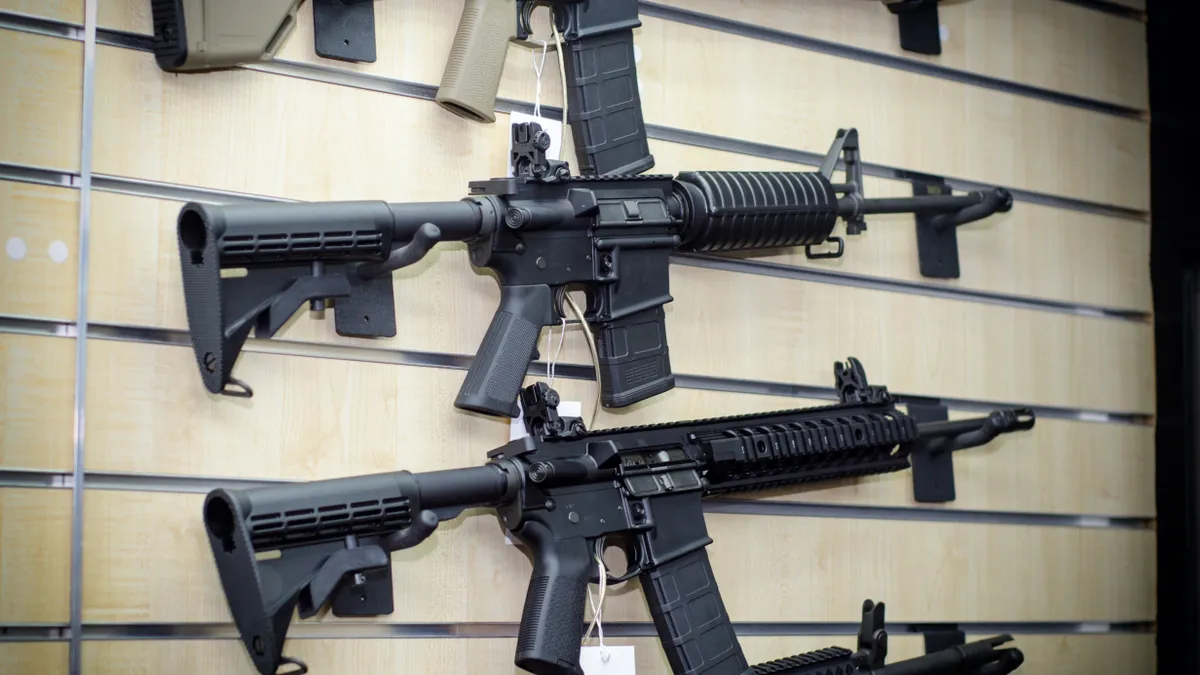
620 661
516 426
552 127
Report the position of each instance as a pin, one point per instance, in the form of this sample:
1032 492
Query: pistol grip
604 107
495 376
690 617
552 620
635 363
476 61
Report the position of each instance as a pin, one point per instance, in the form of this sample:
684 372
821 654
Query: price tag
620 660
552 127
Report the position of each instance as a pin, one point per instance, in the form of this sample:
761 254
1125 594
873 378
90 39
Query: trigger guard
525 21
634 567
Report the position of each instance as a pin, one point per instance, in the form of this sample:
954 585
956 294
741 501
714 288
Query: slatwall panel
1052 532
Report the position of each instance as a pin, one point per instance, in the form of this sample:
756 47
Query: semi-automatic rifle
543 232
567 493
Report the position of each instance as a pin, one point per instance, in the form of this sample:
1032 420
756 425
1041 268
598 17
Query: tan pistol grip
476 60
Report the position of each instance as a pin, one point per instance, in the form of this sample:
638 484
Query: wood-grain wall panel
904 119
316 418
996 137
1044 654
1042 357
63 10
35 555
194 129
28 658
45 220
37 404
1054 45
41 110
466 572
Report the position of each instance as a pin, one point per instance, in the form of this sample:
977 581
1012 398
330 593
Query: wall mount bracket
344 30
920 30
940 636
932 471
937 244
367 593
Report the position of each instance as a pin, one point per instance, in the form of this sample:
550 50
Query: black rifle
975 658
542 232
565 492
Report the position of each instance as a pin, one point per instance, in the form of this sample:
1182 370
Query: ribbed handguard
634 360
496 374
690 617
476 60
738 210
604 107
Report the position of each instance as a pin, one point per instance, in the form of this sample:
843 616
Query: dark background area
1175 272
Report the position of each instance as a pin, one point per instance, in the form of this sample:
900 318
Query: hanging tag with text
620 660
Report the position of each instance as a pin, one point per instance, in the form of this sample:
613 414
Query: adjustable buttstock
194 35
253 266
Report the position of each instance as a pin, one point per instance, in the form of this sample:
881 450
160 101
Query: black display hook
344 29
920 30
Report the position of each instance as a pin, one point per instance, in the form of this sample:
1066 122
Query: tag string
598 604
562 66
538 66
554 359
591 343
